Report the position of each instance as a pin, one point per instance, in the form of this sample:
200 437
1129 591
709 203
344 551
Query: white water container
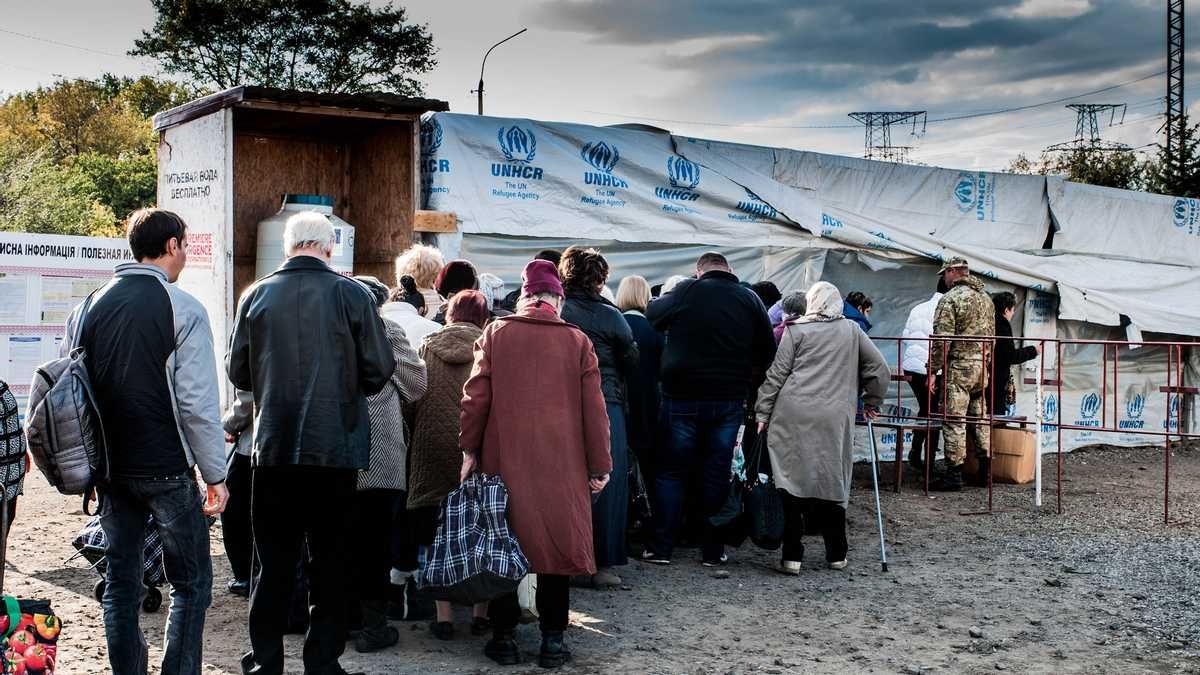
270 234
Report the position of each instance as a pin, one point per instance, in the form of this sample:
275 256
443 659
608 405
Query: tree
1087 164
149 95
1178 176
39 195
335 46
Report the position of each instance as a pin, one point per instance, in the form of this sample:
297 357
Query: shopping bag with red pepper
30 630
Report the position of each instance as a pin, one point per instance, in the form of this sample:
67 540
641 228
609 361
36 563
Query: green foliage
77 156
1109 168
1178 175
318 45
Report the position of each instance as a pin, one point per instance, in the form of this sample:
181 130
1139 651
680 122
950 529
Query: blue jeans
175 503
700 438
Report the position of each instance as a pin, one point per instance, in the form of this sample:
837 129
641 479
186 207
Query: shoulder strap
78 332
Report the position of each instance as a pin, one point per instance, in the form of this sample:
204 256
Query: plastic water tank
270 234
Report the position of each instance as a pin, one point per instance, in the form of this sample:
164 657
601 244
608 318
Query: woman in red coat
533 412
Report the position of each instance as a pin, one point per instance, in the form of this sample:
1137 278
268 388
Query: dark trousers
235 520
553 603
920 387
175 504
371 562
290 505
701 438
828 518
610 511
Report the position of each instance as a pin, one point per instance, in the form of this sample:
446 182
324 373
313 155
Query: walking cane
875 485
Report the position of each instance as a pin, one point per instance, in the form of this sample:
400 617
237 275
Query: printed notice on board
24 356
13 305
60 295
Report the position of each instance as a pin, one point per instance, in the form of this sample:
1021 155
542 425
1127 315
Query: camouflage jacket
965 310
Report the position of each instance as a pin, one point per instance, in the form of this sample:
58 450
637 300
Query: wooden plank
382 197
197 108
327 111
435 221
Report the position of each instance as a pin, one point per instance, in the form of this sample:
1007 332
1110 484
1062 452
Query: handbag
761 503
28 628
475 557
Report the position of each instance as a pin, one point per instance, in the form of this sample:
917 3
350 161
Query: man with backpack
149 356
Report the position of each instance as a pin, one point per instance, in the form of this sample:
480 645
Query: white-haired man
309 344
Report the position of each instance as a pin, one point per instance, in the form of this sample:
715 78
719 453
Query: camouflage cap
956 261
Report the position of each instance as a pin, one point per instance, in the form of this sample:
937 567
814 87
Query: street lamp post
484 64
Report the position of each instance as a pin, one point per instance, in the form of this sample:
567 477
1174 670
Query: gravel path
1105 587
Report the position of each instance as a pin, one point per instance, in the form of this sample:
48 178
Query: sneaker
502 649
653 558
605 578
239 588
791 567
442 630
716 563
839 565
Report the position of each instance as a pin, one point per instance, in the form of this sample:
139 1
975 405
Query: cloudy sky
774 72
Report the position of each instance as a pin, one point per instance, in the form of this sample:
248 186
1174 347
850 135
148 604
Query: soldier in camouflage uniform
965 310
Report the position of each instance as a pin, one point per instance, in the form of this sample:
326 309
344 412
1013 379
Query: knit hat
541 276
457 275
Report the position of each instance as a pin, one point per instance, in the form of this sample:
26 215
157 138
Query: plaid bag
30 633
475 557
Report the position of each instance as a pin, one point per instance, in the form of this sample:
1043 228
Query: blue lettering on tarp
1185 215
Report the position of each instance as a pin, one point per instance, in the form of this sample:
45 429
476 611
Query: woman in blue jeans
584 272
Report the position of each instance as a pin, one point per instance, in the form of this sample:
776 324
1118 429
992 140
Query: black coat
611 338
1007 356
645 392
718 338
310 345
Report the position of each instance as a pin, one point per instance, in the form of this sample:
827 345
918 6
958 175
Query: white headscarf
824 303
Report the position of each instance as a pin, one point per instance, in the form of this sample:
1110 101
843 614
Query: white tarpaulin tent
652 202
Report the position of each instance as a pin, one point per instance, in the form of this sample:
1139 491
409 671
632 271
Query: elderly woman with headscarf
823 364
533 412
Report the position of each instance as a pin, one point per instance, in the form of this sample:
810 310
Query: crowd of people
358 407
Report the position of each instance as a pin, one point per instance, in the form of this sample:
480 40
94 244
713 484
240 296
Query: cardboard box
1013 456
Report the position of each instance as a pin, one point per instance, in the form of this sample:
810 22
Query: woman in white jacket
915 363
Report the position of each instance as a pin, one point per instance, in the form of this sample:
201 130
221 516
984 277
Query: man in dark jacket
718 337
149 355
309 344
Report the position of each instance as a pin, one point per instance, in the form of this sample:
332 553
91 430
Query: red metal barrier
1173 386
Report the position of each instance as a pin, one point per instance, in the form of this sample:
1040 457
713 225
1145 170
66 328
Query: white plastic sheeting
521 177
1125 224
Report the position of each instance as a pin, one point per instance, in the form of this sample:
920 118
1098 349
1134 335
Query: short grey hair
672 283
307 229
794 304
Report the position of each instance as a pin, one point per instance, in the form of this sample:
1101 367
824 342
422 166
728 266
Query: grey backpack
65 433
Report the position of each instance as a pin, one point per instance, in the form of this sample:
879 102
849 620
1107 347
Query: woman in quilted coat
434 459
533 412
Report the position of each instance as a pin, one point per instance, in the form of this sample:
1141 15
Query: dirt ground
1104 587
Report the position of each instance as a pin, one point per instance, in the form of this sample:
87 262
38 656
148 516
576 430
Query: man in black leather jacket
584 272
309 344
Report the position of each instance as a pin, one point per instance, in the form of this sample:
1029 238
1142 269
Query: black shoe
502 649
375 640
442 630
949 481
916 459
239 588
653 558
980 477
716 562
480 625
554 651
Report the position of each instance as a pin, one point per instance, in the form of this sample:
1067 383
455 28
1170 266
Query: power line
948 118
65 44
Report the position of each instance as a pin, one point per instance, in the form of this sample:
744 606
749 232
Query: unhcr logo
431 140
519 146
1049 413
1089 405
1186 213
964 192
1134 408
1172 421
973 192
755 206
684 177
603 158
